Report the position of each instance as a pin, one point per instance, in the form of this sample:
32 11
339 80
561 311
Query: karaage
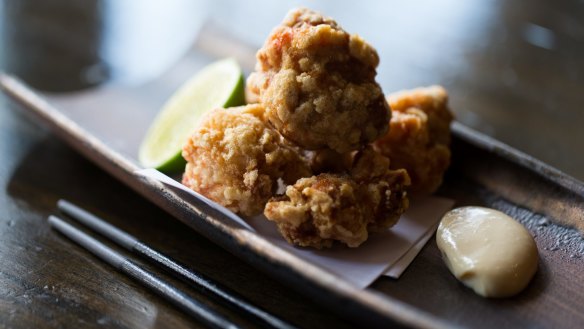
235 159
419 136
319 210
385 188
318 85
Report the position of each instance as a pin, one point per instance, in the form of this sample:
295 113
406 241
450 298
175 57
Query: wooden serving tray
107 124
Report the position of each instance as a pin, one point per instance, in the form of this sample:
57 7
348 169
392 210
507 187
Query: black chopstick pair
188 304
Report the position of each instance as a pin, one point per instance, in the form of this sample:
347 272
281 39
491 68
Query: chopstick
129 242
188 304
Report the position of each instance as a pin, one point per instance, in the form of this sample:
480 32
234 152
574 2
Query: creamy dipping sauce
487 250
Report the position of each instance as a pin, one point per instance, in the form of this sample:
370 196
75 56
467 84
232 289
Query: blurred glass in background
514 70
62 45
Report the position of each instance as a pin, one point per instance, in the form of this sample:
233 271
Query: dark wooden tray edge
526 182
515 156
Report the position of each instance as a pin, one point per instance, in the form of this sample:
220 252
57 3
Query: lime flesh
218 85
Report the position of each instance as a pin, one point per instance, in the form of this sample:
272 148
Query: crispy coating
385 188
419 136
318 84
319 210
235 159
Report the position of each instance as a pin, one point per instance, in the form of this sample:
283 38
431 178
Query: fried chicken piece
319 210
385 188
318 84
433 101
419 136
235 159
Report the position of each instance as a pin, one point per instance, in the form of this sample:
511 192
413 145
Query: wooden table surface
514 71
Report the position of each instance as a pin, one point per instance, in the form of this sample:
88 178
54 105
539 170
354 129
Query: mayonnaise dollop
487 250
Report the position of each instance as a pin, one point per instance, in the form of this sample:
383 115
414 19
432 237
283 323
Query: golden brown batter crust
235 159
319 210
318 84
419 136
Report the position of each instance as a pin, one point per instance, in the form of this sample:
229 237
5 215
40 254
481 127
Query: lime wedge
219 84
